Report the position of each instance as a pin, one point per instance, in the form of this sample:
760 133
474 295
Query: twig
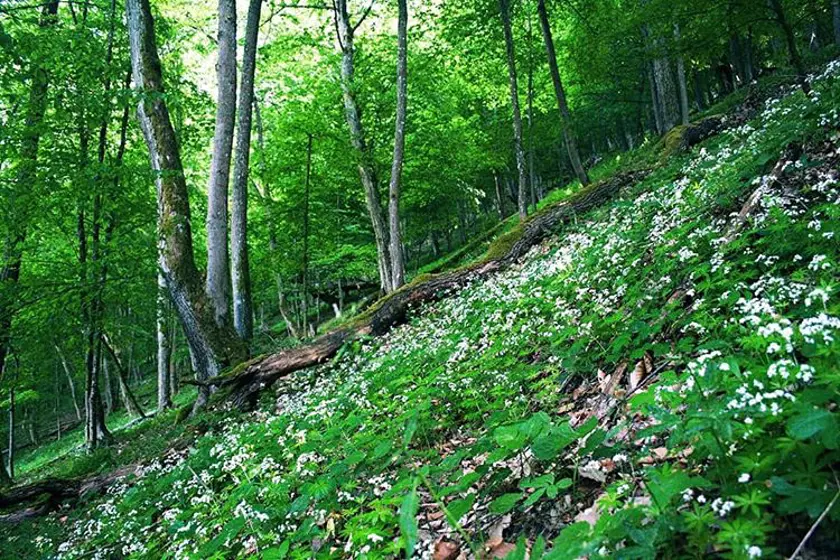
814 526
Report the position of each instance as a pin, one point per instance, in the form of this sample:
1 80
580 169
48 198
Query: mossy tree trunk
212 346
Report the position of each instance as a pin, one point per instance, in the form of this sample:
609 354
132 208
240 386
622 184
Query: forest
438 279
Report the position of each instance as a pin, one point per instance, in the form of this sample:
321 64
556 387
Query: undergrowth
459 427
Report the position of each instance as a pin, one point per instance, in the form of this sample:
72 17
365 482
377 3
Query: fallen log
241 387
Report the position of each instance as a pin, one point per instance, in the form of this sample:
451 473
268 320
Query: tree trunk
395 250
128 398
243 313
164 348
500 202
793 51
69 374
565 115
10 456
218 271
305 264
212 347
835 11
522 200
109 390
531 174
367 172
16 229
681 79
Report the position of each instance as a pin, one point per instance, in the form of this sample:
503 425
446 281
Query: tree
522 200
243 313
345 31
396 251
560 94
218 271
16 201
212 346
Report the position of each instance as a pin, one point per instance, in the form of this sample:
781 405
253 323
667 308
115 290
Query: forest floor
658 379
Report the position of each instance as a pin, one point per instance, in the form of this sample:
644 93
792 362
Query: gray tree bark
164 348
127 395
835 10
352 112
396 250
212 347
71 384
666 91
519 153
565 115
243 310
681 79
218 271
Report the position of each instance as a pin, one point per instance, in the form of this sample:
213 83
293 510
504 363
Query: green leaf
410 429
504 503
277 552
533 498
408 519
548 446
229 531
811 423
460 507
510 437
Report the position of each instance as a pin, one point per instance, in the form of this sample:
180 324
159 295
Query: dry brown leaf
591 514
446 550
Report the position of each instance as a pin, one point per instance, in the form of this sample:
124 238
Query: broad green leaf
408 520
504 503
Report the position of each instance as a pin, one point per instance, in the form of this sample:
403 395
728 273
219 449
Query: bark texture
681 80
352 112
835 12
218 271
519 153
565 115
212 347
396 250
164 348
243 311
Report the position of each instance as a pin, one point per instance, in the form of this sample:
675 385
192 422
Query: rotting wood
243 385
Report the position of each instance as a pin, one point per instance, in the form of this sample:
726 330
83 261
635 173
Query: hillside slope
658 380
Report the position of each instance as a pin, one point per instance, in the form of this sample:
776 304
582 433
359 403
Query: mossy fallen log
241 386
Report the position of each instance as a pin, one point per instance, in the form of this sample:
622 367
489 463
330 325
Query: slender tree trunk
522 200
396 251
128 398
212 347
164 348
109 391
531 174
790 38
681 79
10 457
353 115
565 115
243 312
218 271
500 202
305 263
69 374
835 11
16 200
